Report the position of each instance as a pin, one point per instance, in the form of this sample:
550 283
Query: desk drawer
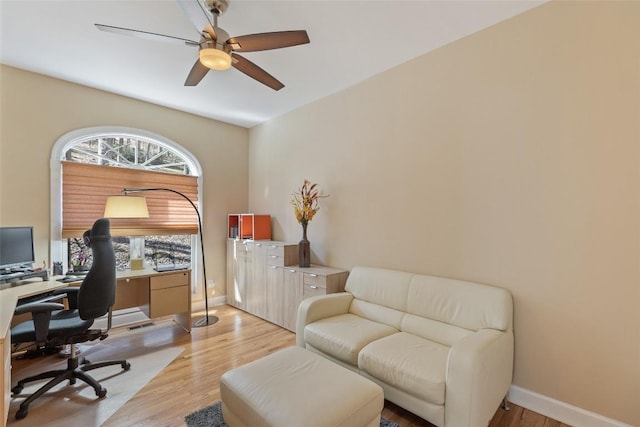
164 302
5 376
169 280
131 293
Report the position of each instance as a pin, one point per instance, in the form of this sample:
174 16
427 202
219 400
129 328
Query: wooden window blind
85 188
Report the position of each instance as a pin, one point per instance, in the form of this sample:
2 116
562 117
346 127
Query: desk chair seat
51 324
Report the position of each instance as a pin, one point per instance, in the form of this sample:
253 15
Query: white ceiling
351 40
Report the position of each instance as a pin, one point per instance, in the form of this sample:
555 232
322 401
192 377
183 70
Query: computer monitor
16 247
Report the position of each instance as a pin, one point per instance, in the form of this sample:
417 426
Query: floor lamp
131 207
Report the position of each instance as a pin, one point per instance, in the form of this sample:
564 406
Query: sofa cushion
440 332
387 288
344 336
468 305
409 363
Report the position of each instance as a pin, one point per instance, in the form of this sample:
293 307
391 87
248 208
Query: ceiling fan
217 50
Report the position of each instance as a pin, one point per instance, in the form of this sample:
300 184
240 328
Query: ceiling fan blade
198 71
145 35
255 72
266 41
198 16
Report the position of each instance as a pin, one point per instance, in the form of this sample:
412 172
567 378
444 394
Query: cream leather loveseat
440 348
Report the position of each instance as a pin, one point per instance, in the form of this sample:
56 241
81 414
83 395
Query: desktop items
57 268
136 264
16 248
17 255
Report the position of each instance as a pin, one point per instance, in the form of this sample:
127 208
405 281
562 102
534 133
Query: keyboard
70 279
43 297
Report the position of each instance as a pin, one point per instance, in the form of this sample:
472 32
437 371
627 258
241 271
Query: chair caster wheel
22 412
102 392
126 366
17 389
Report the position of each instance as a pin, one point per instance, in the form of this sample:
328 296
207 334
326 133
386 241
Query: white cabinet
292 296
275 295
263 278
239 272
257 291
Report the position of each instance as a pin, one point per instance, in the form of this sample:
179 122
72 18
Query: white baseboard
199 305
558 410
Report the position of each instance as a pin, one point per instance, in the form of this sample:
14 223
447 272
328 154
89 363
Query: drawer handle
291 270
258 244
273 246
273 256
274 266
313 275
313 287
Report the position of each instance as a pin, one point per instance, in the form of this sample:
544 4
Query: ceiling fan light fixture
215 59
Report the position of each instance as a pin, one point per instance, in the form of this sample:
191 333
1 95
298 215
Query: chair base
46 350
76 369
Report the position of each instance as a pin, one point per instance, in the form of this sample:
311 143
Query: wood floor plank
192 380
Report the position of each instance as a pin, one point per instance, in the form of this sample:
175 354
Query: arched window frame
58 245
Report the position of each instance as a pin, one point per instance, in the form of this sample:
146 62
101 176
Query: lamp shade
126 207
215 59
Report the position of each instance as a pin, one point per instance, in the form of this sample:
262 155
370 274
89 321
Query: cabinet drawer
169 280
245 249
311 279
275 250
275 261
312 290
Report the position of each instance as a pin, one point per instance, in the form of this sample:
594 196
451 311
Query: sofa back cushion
464 304
385 296
379 295
388 288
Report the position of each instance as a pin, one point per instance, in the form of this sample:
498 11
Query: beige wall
37 110
511 157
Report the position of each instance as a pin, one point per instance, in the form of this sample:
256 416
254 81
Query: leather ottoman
296 388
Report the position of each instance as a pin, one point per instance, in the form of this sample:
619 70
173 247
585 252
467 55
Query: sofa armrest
479 373
320 307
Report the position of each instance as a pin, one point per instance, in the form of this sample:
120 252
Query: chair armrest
479 373
320 307
41 316
38 307
72 295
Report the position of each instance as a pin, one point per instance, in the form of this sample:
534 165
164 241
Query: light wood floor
191 381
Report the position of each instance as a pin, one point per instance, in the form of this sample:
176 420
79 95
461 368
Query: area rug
77 405
211 416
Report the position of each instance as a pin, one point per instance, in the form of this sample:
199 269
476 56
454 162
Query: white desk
157 295
9 295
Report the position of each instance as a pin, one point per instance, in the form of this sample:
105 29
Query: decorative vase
304 247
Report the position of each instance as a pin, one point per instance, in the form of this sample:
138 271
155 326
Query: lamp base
205 321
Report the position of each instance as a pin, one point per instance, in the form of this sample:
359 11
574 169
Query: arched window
123 148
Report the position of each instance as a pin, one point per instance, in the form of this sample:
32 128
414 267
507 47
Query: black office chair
53 325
